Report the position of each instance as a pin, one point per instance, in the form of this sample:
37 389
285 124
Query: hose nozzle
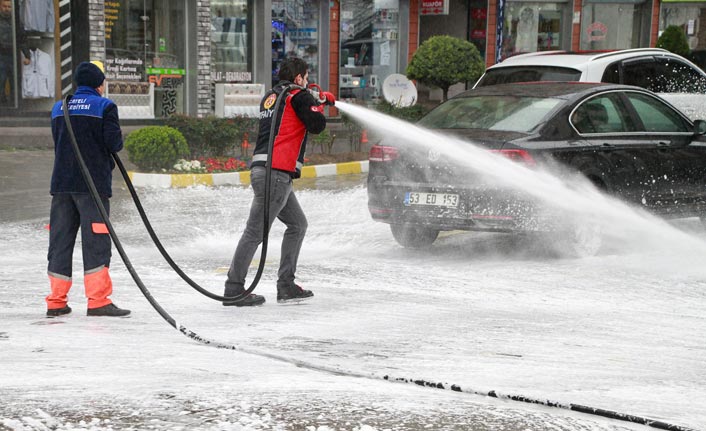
315 90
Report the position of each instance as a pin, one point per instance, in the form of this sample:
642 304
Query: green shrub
156 147
213 136
353 129
673 39
324 141
442 61
408 113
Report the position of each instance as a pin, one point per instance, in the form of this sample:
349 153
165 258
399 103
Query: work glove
322 97
328 98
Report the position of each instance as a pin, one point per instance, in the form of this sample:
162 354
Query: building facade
167 56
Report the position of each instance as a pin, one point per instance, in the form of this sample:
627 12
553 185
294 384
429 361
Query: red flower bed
223 164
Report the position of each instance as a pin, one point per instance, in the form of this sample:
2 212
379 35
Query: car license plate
434 199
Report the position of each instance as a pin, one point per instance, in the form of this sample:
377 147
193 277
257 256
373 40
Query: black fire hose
329 370
265 233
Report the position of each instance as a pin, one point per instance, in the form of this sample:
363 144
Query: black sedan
625 140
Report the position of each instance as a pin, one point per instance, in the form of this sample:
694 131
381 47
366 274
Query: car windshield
497 112
508 75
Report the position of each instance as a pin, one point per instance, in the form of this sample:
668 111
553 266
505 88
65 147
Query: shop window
295 32
230 41
613 25
532 27
478 24
146 42
692 18
8 48
369 47
27 55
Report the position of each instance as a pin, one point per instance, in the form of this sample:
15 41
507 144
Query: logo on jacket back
270 101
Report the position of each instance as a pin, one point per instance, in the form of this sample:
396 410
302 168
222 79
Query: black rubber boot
250 300
108 310
292 293
56 312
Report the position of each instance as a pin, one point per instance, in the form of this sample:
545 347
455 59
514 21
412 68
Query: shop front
369 50
167 57
296 26
690 16
145 42
32 58
613 25
367 37
534 26
231 56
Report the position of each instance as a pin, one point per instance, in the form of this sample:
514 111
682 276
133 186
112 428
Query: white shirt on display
38 15
38 75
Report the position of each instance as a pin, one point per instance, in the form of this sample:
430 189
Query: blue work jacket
96 126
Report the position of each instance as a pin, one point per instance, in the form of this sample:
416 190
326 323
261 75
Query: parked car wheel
411 236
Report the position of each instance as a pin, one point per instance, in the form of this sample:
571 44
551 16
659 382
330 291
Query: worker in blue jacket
94 120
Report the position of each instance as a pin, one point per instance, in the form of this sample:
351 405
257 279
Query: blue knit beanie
88 74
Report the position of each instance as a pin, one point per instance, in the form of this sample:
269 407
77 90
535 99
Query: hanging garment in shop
38 15
38 75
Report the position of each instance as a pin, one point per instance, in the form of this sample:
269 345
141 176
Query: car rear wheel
411 236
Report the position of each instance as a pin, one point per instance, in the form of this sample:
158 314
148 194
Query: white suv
655 69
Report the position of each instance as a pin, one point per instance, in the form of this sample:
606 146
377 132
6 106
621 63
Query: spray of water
575 197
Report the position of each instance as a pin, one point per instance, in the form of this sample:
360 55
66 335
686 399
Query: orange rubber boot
98 287
59 290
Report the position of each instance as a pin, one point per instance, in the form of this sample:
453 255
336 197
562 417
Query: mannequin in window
526 31
7 62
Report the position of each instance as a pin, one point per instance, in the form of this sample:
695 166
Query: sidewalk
39 137
35 138
25 175
237 178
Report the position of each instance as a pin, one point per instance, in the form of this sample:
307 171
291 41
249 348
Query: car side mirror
699 127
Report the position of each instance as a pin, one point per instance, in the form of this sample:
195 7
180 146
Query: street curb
237 178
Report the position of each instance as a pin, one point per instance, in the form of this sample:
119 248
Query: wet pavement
622 330
24 184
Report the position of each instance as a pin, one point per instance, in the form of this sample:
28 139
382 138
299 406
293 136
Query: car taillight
515 155
382 153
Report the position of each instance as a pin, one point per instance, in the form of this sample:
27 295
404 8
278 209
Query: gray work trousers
285 207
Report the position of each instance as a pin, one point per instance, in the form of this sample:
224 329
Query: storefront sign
231 76
434 7
302 33
164 76
124 69
478 34
112 14
596 31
